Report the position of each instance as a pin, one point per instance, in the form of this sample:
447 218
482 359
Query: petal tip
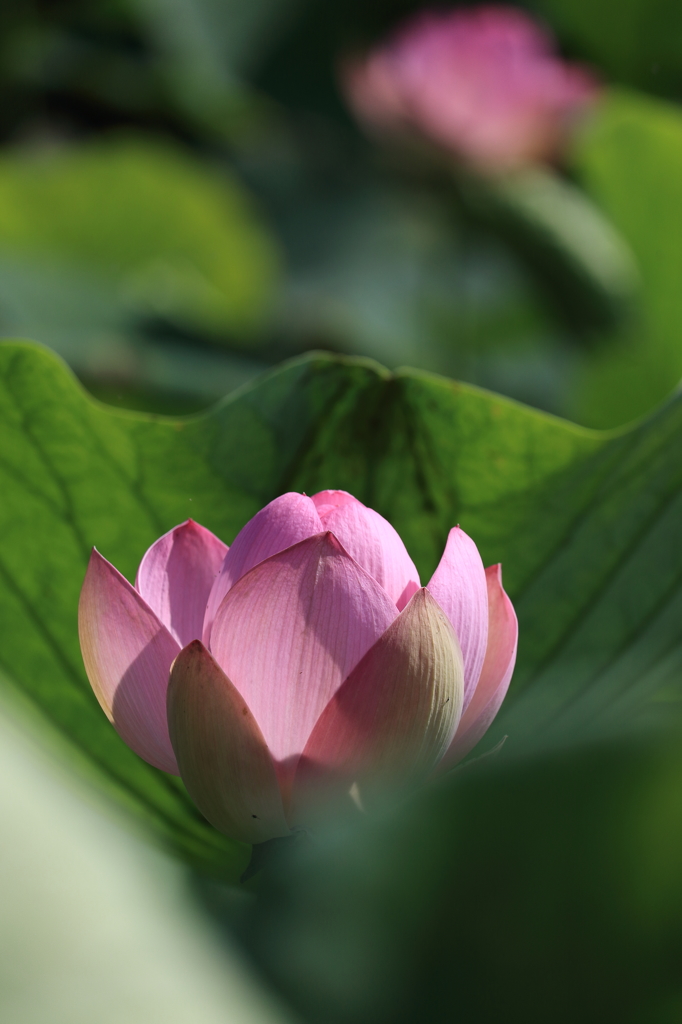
424 599
333 541
334 497
194 647
421 596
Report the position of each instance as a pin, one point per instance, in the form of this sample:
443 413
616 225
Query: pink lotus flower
304 659
482 83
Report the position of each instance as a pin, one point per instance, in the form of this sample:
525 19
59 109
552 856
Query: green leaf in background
207 47
630 161
587 527
156 232
634 42
572 250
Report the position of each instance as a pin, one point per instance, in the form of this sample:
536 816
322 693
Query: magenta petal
496 674
375 545
394 716
285 521
325 501
176 575
223 758
127 654
459 587
291 630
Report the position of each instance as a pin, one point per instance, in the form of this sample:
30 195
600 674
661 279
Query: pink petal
285 521
223 758
291 630
373 542
496 674
176 575
325 501
459 587
127 654
394 716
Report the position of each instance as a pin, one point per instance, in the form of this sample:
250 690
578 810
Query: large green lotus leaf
630 160
587 526
163 233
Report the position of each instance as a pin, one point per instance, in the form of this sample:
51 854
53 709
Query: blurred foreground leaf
528 891
587 526
96 926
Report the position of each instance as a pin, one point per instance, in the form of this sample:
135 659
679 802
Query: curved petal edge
394 716
176 575
374 544
287 520
496 674
292 629
223 758
459 587
127 653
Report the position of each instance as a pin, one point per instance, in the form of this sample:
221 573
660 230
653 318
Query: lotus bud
483 84
305 660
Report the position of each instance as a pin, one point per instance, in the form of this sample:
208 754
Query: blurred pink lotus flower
305 659
482 83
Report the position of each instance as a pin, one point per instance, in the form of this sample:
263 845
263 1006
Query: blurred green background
185 201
